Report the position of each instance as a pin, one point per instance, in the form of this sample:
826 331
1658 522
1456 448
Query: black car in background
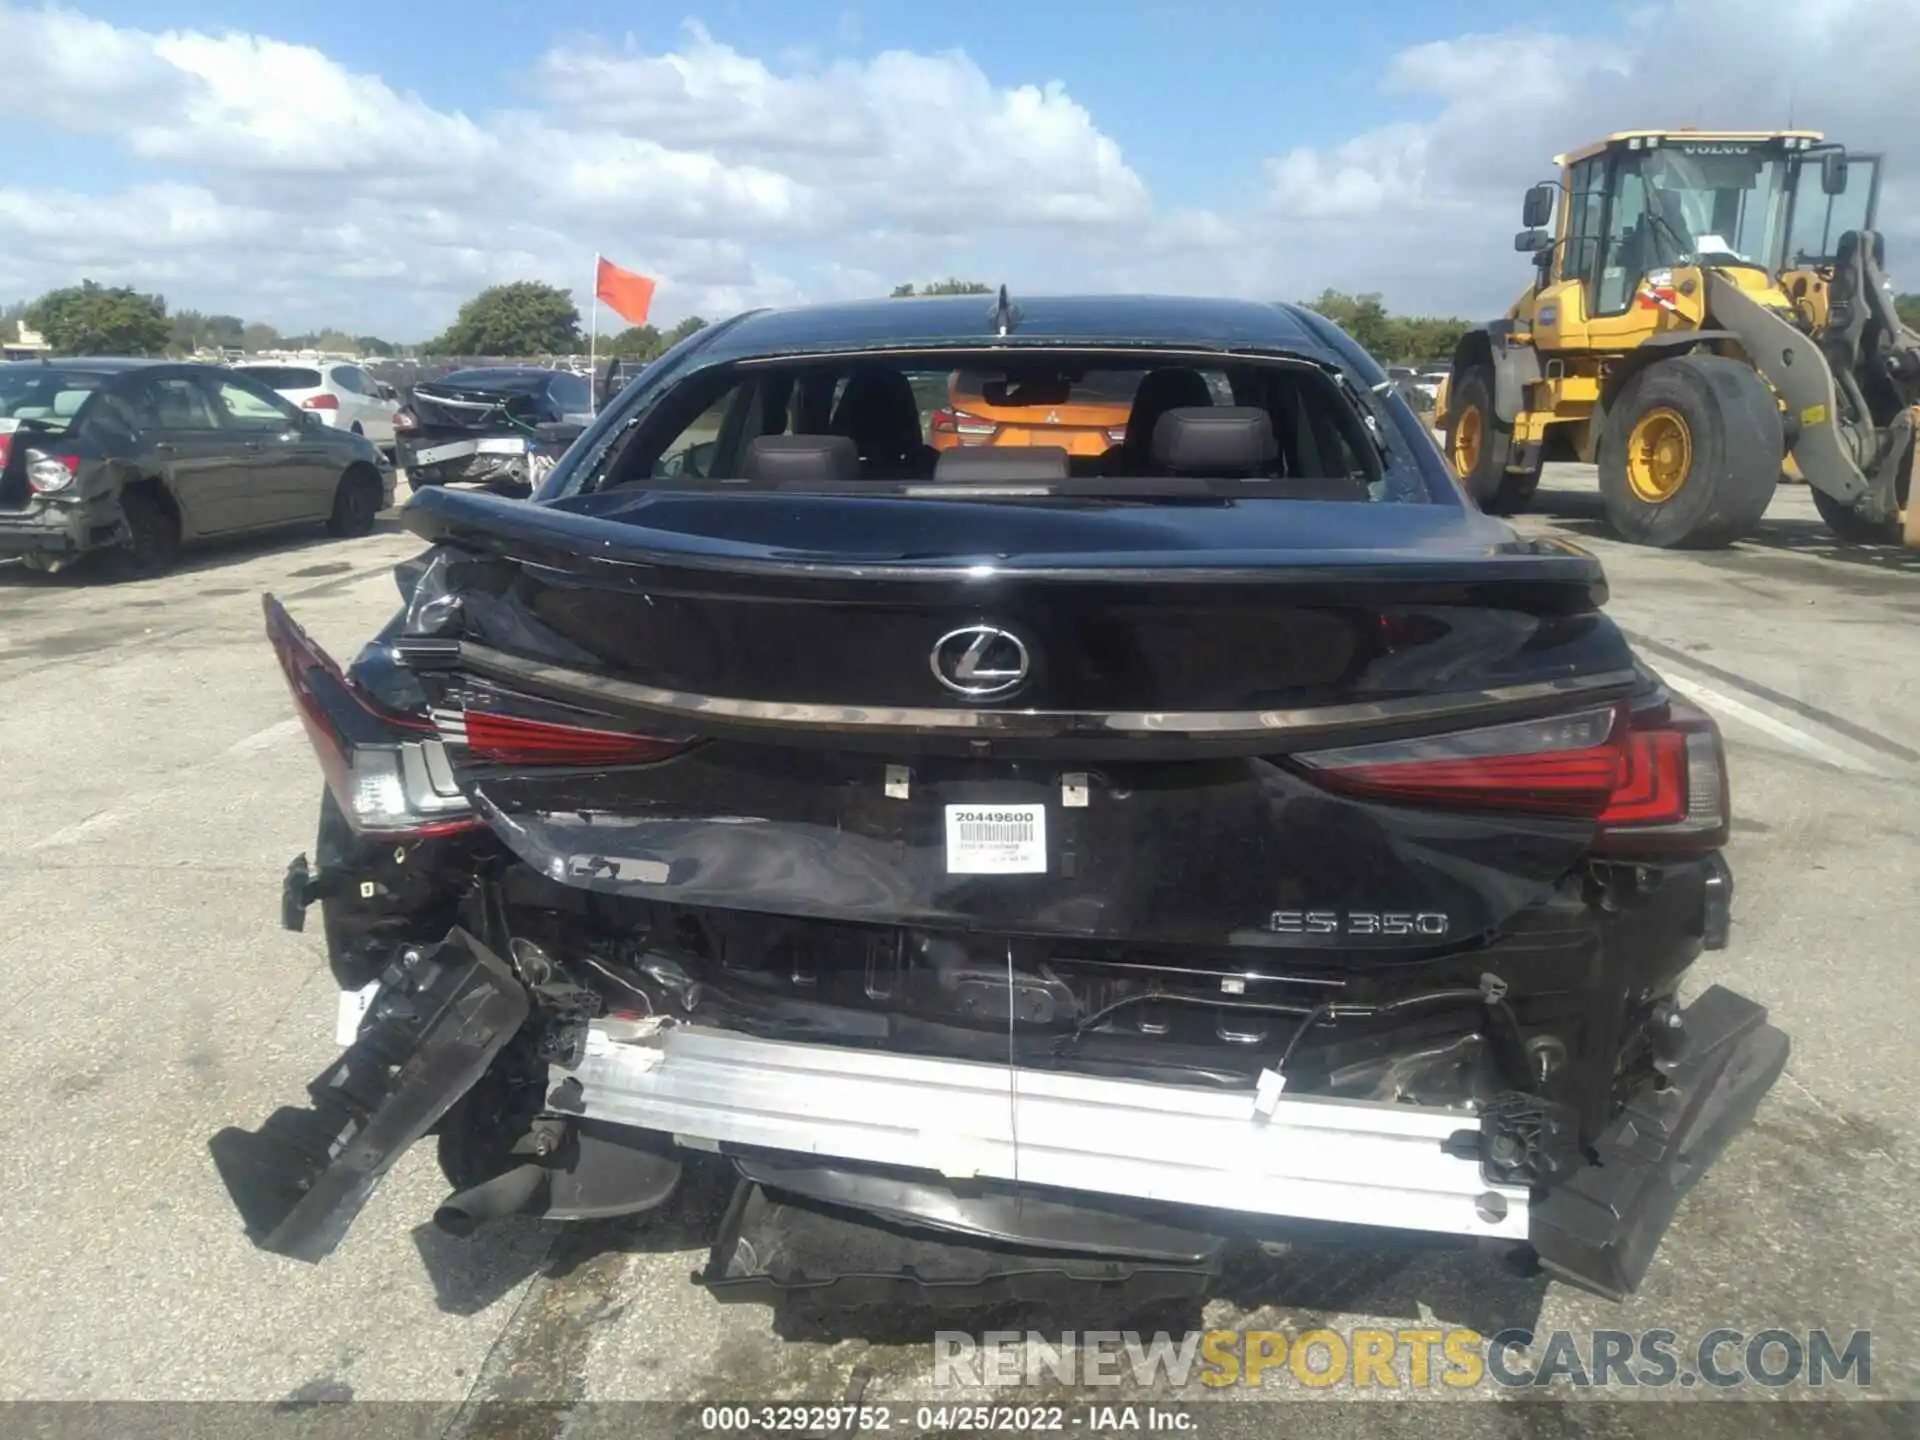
138 457
498 426
1025 869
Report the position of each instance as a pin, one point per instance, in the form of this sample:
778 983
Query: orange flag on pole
628 295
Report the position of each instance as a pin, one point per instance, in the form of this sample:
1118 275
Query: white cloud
272 179
296 165
924 140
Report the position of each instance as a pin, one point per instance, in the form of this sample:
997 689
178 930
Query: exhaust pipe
507 1193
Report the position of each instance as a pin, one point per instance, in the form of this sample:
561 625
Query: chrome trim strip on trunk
1200 724
1304 1158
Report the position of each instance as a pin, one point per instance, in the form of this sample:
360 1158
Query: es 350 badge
1429 923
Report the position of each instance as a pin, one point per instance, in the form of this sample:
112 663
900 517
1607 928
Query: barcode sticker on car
996 839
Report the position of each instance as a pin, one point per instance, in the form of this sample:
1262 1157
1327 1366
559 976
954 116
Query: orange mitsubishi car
1091 420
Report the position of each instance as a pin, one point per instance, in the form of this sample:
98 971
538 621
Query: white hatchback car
342 394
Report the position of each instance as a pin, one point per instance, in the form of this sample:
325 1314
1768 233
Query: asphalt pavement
153 785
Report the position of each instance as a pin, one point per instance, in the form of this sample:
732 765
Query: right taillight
1673 792
322 401
1650 779
49 473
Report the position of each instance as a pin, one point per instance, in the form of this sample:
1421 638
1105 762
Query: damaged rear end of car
1022 877
500 428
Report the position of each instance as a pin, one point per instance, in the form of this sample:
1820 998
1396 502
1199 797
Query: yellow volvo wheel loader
1709 312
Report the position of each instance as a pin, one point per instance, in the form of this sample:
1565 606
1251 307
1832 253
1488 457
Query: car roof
945 321
91 364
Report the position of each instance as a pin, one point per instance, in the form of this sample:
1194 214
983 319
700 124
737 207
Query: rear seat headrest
1217 440
778 458
1002 464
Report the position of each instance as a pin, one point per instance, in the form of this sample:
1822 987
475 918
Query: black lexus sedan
136 458
1020 868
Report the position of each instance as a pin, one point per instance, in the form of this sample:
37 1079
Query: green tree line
528 317
95 319
1391 339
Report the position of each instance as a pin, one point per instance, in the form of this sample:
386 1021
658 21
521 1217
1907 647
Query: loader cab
1639 203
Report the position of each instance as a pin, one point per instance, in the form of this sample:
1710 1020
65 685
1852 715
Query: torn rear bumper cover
443 1014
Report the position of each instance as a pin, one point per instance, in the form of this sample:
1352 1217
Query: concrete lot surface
153 785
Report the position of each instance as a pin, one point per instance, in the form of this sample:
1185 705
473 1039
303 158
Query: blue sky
316 163
1273 73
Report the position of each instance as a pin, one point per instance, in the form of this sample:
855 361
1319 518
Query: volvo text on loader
1710 311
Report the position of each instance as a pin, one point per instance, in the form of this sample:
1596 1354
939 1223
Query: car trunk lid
739 702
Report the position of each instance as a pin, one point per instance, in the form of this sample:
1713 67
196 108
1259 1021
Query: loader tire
1690 455
1477 442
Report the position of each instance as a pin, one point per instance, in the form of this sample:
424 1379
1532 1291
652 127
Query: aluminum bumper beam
1305 1158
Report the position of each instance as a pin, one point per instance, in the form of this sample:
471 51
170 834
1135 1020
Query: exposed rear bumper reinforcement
1306 1158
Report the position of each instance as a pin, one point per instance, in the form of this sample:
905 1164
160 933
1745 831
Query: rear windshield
47 396
1043 426
283 377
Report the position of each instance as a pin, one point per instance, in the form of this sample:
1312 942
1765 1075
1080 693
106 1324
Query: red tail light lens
322 401
515 740
1564 766
1655 779
1673 792
405 419
941 422
6 448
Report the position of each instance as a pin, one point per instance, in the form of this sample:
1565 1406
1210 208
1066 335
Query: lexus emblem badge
980 661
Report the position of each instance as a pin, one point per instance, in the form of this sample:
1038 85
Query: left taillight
1649 779
405 420
388 772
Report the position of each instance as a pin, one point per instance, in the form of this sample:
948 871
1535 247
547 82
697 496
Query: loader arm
1796 368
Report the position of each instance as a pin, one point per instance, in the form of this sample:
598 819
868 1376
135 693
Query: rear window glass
1083 422
571 392
47 395
283 377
